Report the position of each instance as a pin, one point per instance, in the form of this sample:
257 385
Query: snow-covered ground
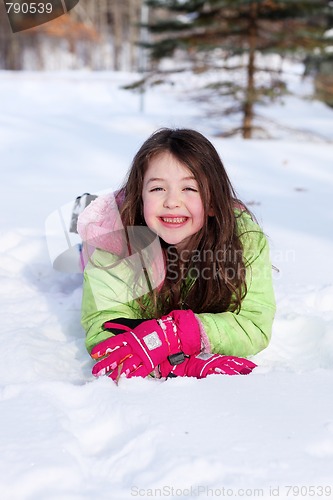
67 436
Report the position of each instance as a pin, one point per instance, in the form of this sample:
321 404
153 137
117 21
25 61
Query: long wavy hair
212 277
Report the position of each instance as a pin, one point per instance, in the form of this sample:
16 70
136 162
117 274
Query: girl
179 282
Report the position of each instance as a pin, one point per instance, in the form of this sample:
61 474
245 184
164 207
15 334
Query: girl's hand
138 351
201 365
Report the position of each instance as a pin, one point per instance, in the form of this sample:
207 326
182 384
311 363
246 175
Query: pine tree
231 35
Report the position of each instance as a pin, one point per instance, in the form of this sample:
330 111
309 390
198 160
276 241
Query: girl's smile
173 220
172 205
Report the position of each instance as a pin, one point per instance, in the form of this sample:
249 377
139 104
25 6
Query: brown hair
212 277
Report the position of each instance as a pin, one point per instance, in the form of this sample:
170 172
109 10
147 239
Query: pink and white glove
204 364
138 351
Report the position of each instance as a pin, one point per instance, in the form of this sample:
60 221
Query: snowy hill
67 436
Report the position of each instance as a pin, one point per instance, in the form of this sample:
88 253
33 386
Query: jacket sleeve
108 294
249 331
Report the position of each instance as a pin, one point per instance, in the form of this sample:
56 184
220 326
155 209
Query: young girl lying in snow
179 281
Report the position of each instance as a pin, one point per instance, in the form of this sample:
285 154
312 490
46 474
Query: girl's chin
180 245
170 242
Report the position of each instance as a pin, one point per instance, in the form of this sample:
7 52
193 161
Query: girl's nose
171 200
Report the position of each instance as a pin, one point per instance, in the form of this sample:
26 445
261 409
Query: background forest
237 48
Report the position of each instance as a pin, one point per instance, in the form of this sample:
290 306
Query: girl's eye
188 188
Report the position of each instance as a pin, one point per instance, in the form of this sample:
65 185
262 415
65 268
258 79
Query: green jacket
108 294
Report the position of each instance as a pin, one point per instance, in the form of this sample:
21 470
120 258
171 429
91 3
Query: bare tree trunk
117 9
250 88
133 31
10 44
13 55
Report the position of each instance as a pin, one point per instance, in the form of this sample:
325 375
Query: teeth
174 220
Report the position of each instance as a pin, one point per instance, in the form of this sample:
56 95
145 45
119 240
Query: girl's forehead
166 164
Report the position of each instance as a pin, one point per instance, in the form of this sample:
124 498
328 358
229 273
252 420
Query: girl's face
172 205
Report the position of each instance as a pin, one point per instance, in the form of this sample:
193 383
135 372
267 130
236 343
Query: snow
65 435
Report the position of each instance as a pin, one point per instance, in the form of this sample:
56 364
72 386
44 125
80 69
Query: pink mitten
201 365
138 351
